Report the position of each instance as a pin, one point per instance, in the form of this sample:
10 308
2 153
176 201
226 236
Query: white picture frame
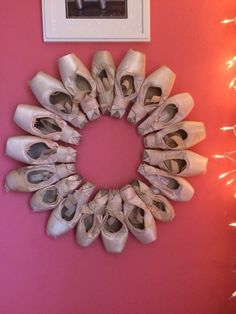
58 28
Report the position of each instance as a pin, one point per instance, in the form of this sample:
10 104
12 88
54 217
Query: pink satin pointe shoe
33 178
130 75
138 217
172 111
79 82
52 95
90 223
67 214
155 89
158 205
35 150
114 230
183 163
179 136
103 72
49 197
175 188
43 123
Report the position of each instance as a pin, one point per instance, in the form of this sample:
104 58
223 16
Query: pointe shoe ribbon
158 205
33 178
155 89
52 95
138 217
172 111
79 82
49 197
67 214
179 136
183 163
85 98
43 123
35 150
129 78
90 223
103 72
173 187
114 230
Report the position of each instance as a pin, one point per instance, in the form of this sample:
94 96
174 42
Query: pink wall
189 270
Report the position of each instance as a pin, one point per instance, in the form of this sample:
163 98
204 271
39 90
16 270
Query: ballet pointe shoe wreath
69 104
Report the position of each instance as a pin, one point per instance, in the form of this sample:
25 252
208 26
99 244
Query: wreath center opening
109 152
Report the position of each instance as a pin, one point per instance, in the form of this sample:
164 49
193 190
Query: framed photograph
96 20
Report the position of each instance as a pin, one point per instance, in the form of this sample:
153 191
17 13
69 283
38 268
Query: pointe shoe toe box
55 227
14 182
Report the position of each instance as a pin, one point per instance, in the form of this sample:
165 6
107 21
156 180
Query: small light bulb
232 224
232 83
218 156
230 63
229 182
226 128
234 294
227 21
223 175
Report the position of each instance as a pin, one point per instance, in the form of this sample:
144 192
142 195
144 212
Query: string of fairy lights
230 176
